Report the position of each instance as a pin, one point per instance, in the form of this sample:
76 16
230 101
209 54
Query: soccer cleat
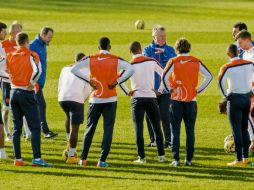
72 160
151 144
236 163
82 163
50 134
140 161
40 162
102 165
187 163
175 163
245 161
162 159
19 163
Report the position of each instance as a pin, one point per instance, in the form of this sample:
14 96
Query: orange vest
184 79
19 66
141 59
9 46
103 72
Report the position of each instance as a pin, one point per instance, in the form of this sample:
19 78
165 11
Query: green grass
78 26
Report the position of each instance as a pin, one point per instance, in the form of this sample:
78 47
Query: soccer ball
140 25
229 144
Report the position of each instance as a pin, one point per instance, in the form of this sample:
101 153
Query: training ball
229 144
140 25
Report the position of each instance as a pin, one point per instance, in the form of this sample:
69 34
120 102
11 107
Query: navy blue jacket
39 46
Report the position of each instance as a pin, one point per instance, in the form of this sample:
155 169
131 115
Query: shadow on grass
83 175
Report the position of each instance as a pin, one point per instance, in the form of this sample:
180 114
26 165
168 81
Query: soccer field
78 25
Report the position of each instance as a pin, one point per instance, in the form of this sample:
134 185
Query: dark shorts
6 90
74 111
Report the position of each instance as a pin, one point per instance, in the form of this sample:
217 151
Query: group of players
164 86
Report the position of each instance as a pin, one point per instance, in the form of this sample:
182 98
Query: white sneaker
162 159
140 160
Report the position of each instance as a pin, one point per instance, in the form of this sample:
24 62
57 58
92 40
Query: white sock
72 151
68 136
37 159
19 159
6 123
2 153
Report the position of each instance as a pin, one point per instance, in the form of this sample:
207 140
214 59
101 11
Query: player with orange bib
180 77
103 77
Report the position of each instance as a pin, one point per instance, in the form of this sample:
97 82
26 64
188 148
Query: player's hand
30 87
251 94
159 50
113 85
223 106
131 93
94 87
157 93
171 90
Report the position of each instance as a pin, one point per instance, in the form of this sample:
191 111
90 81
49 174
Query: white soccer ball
140 25
229 144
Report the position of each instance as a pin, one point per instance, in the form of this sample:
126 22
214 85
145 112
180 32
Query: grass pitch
78 26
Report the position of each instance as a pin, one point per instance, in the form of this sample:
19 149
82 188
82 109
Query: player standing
103 69
184 90
238 74
72 93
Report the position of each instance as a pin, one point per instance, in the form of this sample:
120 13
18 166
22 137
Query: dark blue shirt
39 46
162 58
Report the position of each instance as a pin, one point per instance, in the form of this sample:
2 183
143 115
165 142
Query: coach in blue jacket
162 52
39 45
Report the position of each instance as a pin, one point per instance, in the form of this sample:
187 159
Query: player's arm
166 74
77 69
36 67
127 69
159 70
222 80
147 51
207 78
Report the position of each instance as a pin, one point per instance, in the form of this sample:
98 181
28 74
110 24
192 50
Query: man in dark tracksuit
162 52
238 73
39 45
144 100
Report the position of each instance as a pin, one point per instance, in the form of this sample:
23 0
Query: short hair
46 30
79 56
241 26
182 45
135 47
104 43
232 48
2 26
157 28
14 25
243 35
21 38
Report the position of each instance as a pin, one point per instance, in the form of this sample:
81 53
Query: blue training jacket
39 46
162 58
